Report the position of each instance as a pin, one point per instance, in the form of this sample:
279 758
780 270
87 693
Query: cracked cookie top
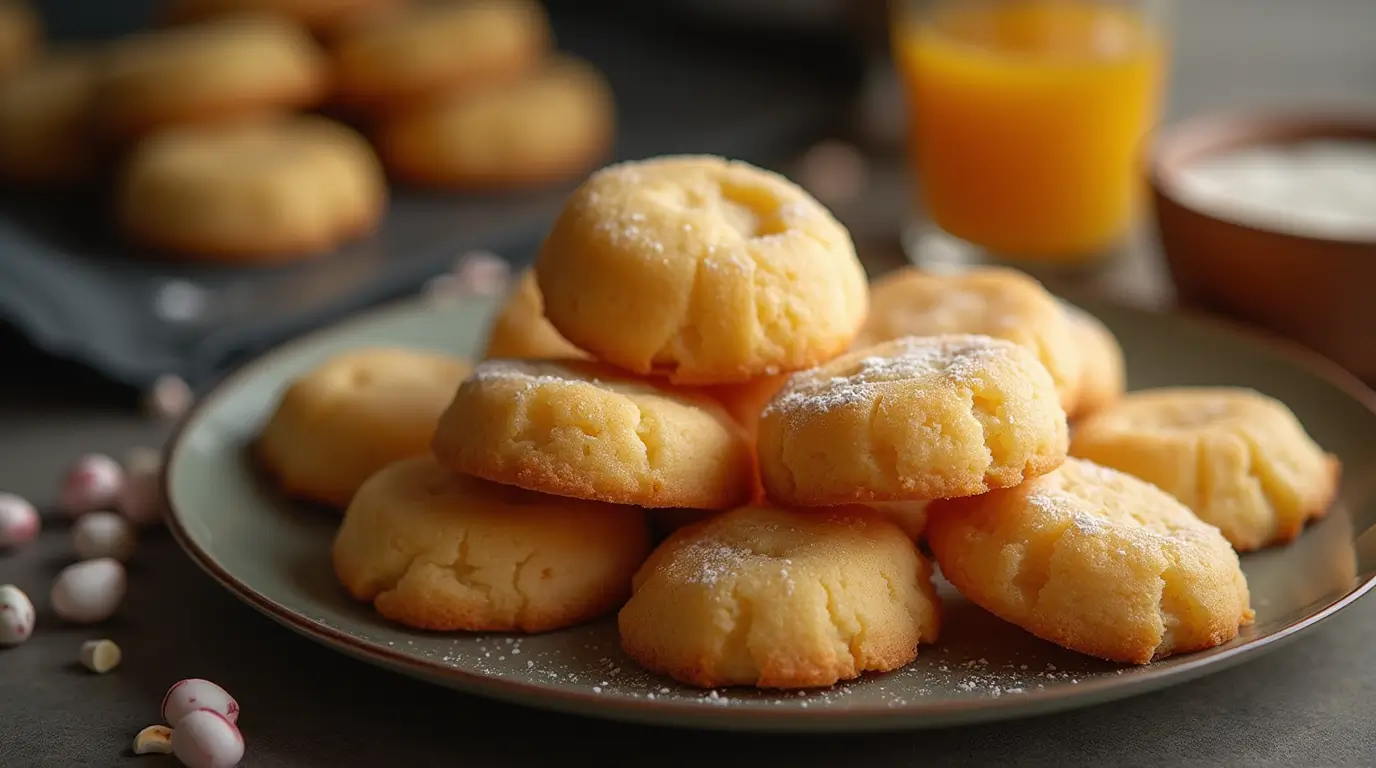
1240 460
701 269
1094 560
585 430
912 419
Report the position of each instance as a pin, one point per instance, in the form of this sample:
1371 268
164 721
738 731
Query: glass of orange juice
1026 120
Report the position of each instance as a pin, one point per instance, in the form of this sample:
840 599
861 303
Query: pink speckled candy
186 696
93 483
19 521
204 738
16 615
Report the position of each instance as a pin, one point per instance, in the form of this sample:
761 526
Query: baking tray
70 286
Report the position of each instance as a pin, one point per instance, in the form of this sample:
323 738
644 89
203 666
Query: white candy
482 273
189 695
141 501
19 521
103 534
169 398
16 615
94 482
205 739
100 656
89 591
153 740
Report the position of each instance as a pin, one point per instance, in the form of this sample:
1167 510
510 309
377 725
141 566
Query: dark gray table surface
1311 703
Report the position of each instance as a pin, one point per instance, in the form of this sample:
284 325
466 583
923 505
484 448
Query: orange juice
1027 118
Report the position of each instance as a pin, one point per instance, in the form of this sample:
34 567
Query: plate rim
668 712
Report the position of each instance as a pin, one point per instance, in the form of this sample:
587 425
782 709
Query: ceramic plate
276 556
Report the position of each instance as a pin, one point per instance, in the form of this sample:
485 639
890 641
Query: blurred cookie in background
557 124
21 35
225 69
267 190
410 53
45 111
322 17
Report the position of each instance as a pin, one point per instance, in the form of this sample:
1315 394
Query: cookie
21 35
227 69
439 551
701 269
991 301
1094 560
352 415
909 516
1103 377
256 191
746 401
520 330
775 598
44 121
320 16
1239 459
912 419
584 430
555 125
418 51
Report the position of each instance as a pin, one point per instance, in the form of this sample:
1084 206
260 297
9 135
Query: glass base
930 248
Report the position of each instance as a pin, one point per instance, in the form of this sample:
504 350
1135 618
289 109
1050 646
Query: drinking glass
1025 124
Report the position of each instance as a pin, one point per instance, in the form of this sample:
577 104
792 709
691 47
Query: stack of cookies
697 346
213 129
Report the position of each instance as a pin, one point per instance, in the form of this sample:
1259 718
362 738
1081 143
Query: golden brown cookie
416 52
1103 378
912 419
910 516
440 551
700 269
226 69
21 35
992 301
256 191
45 112
354 414
776 598
555 125
581 429
1096 561
1239 459
520 329
320 16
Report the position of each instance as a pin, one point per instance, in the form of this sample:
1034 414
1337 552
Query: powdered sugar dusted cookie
777 598
1094 560
912 419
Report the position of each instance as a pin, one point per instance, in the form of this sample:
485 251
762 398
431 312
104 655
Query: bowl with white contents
1271 219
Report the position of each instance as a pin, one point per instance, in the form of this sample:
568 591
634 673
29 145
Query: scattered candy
100 656
169 398
93 483
16 615
19 521
141 501
206 739
103 534
89 591
481 273
153 740
834 171
189 695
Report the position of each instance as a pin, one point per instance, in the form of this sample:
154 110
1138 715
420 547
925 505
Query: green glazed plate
275 555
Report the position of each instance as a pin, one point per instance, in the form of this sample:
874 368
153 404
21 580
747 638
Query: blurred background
1030 132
